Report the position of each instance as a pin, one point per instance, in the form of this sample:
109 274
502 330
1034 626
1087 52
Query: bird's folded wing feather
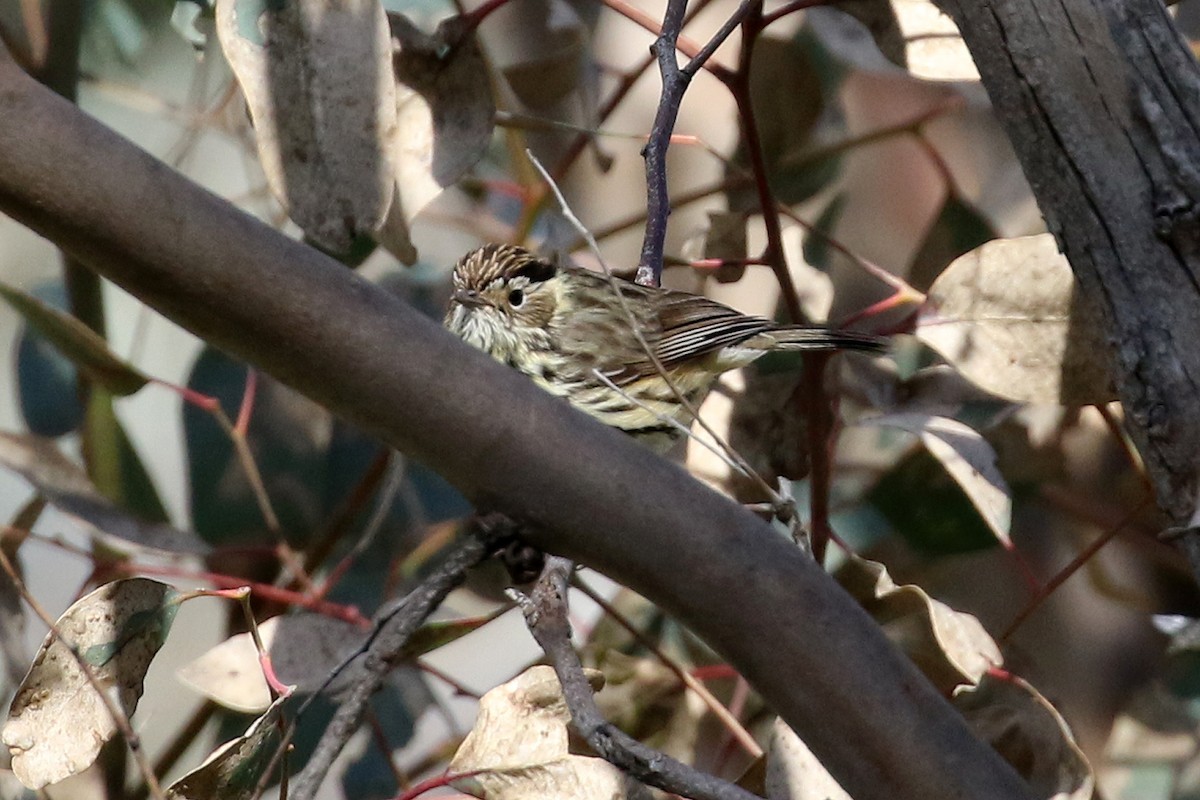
694 326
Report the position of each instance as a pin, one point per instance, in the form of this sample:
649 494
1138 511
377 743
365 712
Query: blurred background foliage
880 148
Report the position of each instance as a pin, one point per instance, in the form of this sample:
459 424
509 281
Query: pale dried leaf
934 49
519 746
967 457
304 648
233 770
57 722
950 647
317 76
67 487
444 118
1030 734
1008 316
794 773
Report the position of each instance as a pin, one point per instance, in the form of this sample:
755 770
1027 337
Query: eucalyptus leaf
77 342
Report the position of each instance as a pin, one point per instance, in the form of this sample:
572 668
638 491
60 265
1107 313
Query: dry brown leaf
1030 734
519 747
57 722
233 770
950 647
967 457
317 76
1007 315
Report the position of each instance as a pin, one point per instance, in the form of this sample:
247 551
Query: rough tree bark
815 656
1102 103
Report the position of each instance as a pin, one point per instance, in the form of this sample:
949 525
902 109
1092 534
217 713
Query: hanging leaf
1030 734
787 94
945 522
950 647
79 343
958 229
543 76
1008 316
58 722
444 118
726 240
116 468
317 77
69 489
47 381
234 769
519 746
967 457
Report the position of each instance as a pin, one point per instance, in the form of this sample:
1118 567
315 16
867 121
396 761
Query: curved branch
866 712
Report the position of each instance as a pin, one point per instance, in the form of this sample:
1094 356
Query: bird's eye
516 298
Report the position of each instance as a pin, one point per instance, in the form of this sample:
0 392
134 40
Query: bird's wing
677 326
694 326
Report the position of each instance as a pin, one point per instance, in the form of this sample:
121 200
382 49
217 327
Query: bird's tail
801 338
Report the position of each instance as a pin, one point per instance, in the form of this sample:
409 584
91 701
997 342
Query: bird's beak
468 297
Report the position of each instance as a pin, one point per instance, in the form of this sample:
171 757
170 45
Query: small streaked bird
565 328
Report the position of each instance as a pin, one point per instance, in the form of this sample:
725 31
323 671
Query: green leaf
115 466
232 772
958 229
77 342
943 522
47 381
432 635
816 247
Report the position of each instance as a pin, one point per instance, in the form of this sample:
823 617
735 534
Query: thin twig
731 723
658 201
394 626
675 81
1070 569
674 423
546 616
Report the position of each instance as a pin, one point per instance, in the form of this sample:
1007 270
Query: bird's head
500 290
